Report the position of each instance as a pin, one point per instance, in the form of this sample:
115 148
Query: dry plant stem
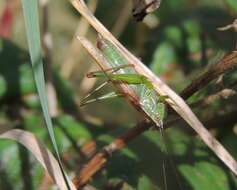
123 19
47 46
225 64
99 160
75 48
229 26
175 101
43 155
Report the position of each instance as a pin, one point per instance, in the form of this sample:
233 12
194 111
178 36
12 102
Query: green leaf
77 130
145 183
204 175
68 130
16 76
30 10
163 56
232 4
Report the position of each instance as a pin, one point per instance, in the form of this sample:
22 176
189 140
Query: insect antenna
170 159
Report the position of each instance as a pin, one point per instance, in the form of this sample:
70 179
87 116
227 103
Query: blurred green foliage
180 48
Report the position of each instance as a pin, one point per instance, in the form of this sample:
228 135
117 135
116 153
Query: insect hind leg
101 98
100 73
93 92
94 74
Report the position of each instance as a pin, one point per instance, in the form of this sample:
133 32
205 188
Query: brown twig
122 20
178 104
229 26
225 64
99 160
73 54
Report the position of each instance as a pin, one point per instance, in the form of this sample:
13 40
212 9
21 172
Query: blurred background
178 42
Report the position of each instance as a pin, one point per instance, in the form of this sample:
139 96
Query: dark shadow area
207 19
143 156
5 182
15 74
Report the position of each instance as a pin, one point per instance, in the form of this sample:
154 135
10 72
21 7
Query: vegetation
111 144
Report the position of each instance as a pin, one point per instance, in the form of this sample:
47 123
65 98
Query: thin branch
174 100
99 160
225 65
74 50
123 19
229 26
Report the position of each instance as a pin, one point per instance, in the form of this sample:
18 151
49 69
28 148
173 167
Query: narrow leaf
42 154
30 10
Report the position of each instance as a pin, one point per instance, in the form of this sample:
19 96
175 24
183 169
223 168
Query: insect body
149 101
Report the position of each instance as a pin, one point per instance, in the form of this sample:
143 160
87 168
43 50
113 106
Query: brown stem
226 64
122 20
99 160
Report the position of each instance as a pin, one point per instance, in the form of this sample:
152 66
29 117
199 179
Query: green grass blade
30 10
